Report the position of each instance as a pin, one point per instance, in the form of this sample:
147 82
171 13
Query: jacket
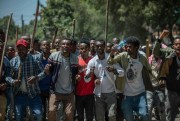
55 60
123 59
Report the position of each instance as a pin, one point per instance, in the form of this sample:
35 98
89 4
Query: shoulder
6 61
16 58
37 56
54 55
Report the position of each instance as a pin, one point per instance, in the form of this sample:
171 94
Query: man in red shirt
84 90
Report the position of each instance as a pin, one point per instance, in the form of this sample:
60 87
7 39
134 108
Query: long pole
74 25
22 22
147 48
17 34
106 27
35 24
5 43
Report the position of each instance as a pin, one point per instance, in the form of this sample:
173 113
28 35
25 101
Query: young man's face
65 46
57 44
22 51
131 49
100 47
108 47
45 46
11 52
92 44
83 49
176 46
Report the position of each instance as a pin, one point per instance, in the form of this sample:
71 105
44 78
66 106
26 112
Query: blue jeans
137 104
22 101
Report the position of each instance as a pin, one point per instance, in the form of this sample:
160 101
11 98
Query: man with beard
26 71
64 66
137 79
105 96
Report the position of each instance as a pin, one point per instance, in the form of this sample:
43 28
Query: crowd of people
89 80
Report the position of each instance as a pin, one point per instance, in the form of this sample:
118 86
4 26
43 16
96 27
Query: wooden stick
17 34
74 25
5 43
66 31
22 22
147 48
35 24
106 27
54 38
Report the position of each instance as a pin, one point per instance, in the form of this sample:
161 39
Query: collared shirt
30 66
107 84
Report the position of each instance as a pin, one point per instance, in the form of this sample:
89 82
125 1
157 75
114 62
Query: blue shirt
44 84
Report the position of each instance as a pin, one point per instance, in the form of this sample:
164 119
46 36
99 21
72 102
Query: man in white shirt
137 79
105 96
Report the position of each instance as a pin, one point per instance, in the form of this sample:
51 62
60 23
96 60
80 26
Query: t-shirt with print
134 84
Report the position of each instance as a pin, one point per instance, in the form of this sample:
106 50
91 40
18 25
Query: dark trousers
85 103
45 100
171 105
119 112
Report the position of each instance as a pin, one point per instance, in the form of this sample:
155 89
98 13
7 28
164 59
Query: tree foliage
12 29
126 17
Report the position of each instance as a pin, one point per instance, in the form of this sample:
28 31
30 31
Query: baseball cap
22 42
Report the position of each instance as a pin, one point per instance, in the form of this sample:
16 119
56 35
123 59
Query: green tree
12 29
57 14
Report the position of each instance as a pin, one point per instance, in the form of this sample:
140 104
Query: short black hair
133 40
85 40
101 41
65 38
74 41
177 37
